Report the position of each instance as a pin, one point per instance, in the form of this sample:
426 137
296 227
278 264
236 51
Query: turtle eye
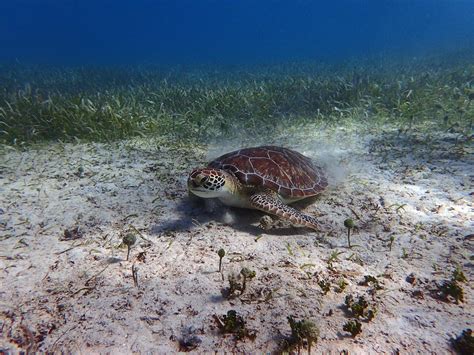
221 182
202 180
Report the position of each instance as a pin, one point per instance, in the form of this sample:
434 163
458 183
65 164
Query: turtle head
209 183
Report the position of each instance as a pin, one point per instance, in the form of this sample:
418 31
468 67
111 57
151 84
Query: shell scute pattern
285 171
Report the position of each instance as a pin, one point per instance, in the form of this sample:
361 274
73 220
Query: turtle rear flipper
269 202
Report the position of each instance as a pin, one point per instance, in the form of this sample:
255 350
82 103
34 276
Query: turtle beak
197 181
192 183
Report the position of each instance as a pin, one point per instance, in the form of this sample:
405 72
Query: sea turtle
266 178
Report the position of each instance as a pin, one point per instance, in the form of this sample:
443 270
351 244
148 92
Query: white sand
78 295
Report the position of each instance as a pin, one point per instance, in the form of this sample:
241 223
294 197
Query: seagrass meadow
41 103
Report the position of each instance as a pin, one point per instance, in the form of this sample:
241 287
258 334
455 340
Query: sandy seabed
66 284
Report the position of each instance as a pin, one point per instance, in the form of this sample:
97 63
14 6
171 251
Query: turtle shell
282 170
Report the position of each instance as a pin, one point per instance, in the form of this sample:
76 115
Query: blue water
228 31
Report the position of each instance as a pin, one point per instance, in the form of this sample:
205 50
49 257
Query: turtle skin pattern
284 171
268 203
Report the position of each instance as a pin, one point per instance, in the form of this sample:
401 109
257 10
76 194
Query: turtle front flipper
270 203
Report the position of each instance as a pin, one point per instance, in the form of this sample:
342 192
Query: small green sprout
325 286
357 308
233 323
355 258
390 242
246 274
401 207
129 240
360 309
341 285
333 258
235 284
288 247
452 287
464 343
300 331
371 314
349 224
221 254
458 275
371 281
354 327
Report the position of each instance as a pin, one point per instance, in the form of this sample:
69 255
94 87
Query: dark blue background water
227 31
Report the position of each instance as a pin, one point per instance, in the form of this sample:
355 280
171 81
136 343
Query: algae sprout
349 224
221 254
237 288
300 331
233 323
246 274
353 326
129 240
